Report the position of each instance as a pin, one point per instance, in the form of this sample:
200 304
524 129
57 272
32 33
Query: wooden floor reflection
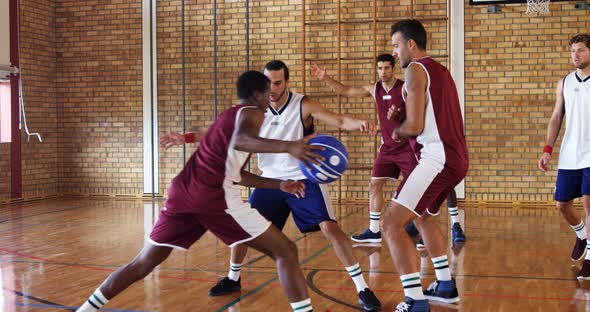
54 253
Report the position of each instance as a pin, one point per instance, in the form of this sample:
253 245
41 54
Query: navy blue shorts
308 212
572 184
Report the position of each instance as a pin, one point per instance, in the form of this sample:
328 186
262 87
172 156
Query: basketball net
537 7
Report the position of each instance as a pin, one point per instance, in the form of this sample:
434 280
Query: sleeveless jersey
216 162
575 147
442 142
384 99
285 124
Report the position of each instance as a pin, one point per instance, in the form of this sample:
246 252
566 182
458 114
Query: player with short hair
573 168
434 119
205 196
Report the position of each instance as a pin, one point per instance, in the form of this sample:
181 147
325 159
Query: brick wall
99 87
513 63
94 100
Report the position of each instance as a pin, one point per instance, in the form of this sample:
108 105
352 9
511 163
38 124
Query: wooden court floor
54 253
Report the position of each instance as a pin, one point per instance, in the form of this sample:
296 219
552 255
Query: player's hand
396 114
296 188
305 152
367 126
171 139
318 72
544 162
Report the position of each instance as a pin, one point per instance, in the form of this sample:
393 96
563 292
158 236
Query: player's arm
296 188
415 103
171 139
340 88
248 139
344 122
554 126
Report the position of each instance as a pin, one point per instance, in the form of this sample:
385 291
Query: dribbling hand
305 152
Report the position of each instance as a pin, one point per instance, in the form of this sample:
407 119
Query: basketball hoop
537 7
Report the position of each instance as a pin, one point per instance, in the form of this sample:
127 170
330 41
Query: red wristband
548 149
190 137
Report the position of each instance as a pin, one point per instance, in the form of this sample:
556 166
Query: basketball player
289 117
433 118
393 157
204 196
573 168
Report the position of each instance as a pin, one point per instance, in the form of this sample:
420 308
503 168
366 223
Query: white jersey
285 124
575 147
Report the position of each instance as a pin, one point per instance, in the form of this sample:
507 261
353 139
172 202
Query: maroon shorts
189 214
426 188
390 162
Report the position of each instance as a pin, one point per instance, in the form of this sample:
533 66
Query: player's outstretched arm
338 87
344 122
553 127
171 139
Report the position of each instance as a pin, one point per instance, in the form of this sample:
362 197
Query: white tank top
575 147
286 124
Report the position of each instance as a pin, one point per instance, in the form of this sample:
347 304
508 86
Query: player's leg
568 186
405 257
314 212
373 233
457 233
241 224
171 231
271 204
584 273
276 245
384 169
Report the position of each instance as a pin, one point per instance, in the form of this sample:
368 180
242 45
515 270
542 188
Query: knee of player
289 251
376 185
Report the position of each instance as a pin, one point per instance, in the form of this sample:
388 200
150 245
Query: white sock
94 302
580 230
587 251
234 271
375 218
302 306
441 268
412 286
356 274
454 212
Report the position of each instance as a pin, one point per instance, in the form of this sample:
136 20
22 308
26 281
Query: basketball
334 165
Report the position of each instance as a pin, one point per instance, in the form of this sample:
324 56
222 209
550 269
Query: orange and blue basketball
334 165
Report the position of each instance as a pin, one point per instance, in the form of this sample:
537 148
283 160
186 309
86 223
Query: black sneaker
584 274
447 293
457 233
420 245
225 286
367 237
411 305
369 301
579 250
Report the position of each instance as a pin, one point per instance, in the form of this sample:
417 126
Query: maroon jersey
213 168
442 142
384 99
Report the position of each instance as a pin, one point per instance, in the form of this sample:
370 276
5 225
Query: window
5 101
